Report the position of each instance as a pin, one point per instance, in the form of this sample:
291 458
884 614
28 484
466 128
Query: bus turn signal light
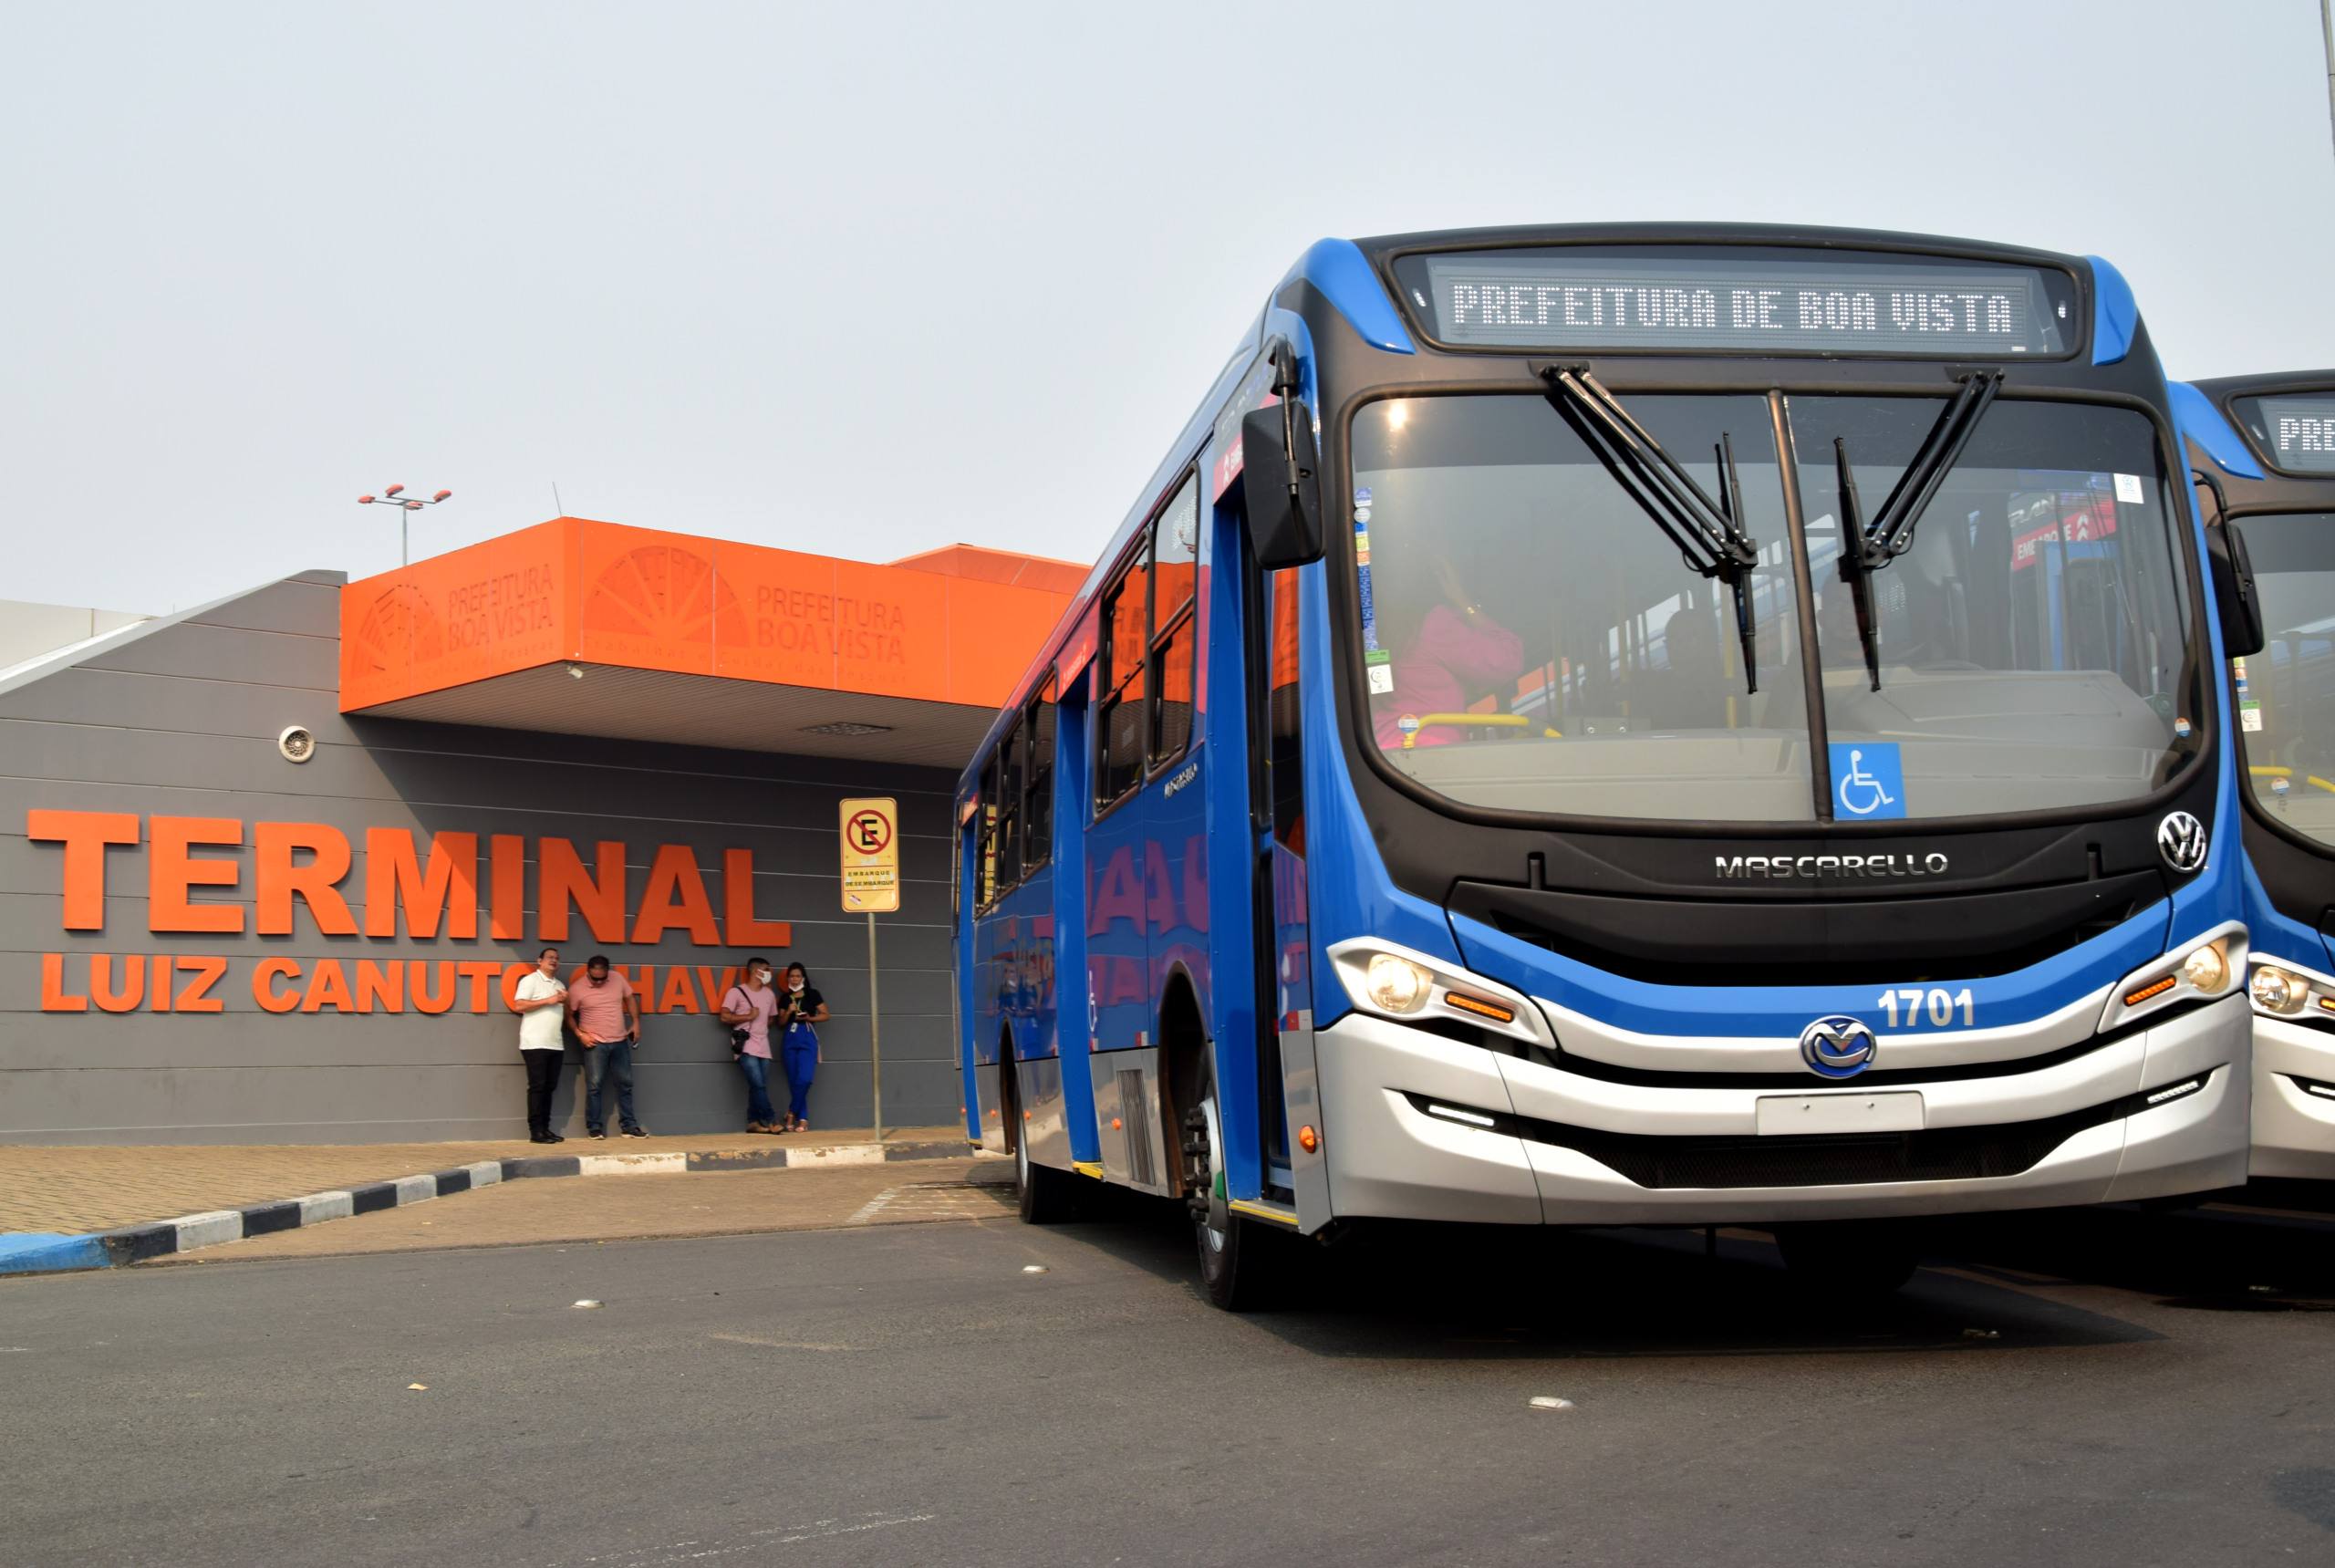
1479 1007
1308 1139
2155 988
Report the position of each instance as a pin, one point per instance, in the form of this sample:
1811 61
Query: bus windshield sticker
1517 299
1868 780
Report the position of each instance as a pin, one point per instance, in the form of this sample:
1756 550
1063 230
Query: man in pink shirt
605 1013
1457 645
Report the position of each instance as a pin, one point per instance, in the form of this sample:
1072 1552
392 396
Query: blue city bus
1667 725
2262 448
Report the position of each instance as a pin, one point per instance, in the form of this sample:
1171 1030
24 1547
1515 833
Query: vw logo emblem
1837 1047
2181 839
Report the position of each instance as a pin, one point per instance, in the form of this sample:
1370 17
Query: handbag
739 1032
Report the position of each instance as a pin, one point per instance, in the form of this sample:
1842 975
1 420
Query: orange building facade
957 625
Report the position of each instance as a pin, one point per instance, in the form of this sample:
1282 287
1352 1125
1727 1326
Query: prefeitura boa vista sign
406 888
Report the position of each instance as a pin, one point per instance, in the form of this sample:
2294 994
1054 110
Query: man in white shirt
541 1004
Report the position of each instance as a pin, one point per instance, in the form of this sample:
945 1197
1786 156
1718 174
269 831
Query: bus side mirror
1285 530
2234 596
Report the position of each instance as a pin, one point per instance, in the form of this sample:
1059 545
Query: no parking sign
871 855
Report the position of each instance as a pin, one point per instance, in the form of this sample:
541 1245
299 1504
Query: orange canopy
955 627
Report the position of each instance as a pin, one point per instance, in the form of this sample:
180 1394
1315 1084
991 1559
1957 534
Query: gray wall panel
303 608
174 703
183 723
231 653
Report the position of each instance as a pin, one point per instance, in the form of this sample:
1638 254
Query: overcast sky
867 280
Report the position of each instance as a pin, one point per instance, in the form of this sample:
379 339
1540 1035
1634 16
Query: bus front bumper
1417 1126
2294 1129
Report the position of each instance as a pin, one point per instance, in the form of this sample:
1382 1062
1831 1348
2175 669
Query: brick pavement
585 1210
72 1191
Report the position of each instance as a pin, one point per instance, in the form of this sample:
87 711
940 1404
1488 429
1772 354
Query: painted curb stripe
372 1198
631 1164
265 1219
208 1230
41 1252
319 1207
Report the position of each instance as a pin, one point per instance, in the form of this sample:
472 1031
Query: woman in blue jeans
748 1007
800 1008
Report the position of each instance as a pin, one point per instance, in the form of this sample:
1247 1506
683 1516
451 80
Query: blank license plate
1785 1114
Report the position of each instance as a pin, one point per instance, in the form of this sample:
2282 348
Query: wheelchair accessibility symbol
1868 782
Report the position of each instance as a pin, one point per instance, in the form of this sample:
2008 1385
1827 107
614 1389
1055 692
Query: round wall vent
297 745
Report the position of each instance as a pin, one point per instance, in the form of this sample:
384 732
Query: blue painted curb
39 1253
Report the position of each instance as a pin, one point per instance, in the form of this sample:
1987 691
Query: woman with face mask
799 1008
748 1008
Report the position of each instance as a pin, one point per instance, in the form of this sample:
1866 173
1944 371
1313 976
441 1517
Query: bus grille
1843 1159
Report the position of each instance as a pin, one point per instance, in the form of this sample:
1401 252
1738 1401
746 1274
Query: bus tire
1044 1196
1848 1259
1243 1263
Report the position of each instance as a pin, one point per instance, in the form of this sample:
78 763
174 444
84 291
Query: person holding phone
800 1009
748 1007
540 1000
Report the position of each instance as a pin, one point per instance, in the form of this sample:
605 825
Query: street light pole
2327 35
395 496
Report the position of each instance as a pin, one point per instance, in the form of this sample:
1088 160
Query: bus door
1288 1093
1122 1061
1074 998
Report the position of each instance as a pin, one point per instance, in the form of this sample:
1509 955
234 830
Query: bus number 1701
1940 1006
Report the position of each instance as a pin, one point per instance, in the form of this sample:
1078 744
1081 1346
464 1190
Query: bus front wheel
1241 1261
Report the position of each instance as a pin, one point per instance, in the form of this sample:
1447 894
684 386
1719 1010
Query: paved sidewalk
581 1214
73 1190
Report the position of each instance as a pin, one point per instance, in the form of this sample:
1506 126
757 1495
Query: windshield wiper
1865 548
1710 534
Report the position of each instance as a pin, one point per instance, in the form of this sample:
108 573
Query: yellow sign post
871 882
871 857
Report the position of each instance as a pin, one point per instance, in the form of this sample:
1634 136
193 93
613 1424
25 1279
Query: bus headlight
1396 984
2276 990
2206 970
2210 965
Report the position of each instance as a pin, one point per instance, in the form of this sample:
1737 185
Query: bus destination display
2298 431
1511 300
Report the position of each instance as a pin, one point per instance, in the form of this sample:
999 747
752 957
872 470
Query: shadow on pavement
1989 1282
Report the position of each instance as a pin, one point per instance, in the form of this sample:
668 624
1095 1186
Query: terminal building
271 866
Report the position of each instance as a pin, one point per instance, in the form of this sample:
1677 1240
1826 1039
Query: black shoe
547 1137
596 1132
636 1130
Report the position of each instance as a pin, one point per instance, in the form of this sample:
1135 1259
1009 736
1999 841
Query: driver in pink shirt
1457 645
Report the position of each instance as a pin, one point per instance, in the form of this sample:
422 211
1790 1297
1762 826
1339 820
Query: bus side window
1284 719
1119 725
1177 619
1008 810
985 840
1038 801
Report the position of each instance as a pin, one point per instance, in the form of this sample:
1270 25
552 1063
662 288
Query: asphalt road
2087 1388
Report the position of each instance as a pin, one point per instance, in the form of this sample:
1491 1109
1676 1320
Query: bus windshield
2285 694
1532 641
